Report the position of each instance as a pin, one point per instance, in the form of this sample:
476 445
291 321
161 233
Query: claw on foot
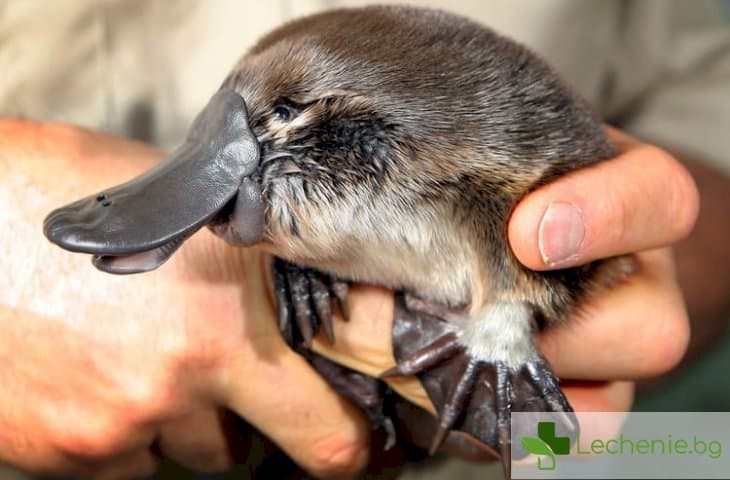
282 300
457 400
299 286
322 301
339 290
304 302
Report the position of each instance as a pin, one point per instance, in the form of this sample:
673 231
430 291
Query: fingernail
561 233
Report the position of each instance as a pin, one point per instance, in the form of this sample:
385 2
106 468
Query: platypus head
291 144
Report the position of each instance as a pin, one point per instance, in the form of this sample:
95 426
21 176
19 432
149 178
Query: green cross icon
547 444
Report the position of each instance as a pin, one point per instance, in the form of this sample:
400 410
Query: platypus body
384 145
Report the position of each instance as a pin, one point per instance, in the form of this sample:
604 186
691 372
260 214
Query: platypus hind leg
474 392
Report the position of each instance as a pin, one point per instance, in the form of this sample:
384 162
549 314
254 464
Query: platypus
389 146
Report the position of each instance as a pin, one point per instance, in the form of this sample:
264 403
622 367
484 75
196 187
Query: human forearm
132 357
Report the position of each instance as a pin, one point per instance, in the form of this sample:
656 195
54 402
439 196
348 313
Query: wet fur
415 132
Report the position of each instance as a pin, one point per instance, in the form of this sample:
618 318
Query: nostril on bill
103 199
171 201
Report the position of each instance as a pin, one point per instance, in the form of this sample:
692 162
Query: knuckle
147 399
194 349
622 398
669 342
90 441
337 455
682 193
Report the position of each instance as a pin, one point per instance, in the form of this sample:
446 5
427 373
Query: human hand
97 368
640 201
210 371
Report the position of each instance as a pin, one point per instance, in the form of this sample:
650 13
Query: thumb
643 198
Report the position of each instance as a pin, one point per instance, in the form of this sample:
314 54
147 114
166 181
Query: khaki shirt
141 68
660 69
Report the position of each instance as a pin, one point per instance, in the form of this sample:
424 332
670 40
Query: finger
132 464
197 441
364 342
641 199
285 399
275 390
599 396
135 465
63 451
637 329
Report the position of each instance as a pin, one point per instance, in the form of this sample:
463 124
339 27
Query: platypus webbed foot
472 394
304 301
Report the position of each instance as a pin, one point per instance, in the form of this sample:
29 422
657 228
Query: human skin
98 368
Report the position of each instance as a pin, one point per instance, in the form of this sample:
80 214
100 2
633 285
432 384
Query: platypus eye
284 113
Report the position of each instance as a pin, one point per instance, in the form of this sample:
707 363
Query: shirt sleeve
670 77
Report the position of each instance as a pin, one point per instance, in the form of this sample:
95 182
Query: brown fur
414 134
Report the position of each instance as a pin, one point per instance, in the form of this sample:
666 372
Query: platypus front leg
304 301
